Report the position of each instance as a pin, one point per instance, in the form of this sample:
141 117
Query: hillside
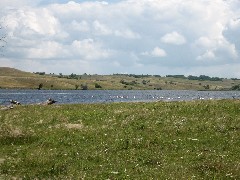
6 71
13 78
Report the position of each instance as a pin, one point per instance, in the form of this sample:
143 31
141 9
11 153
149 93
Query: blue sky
139 37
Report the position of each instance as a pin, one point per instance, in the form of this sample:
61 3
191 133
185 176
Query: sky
156 37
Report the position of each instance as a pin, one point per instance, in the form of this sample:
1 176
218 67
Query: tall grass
160 140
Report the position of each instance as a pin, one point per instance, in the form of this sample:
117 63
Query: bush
84 87
98 85
235 87
40 86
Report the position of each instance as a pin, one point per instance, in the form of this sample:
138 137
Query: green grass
160 140
13 78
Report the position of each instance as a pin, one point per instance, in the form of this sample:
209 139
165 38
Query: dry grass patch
73 126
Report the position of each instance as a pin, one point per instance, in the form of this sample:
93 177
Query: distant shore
15 79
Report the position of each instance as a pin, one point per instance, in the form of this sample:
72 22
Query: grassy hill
13 78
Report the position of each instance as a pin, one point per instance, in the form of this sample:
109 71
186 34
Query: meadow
157 140
11 78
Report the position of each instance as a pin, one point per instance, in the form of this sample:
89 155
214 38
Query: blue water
104 96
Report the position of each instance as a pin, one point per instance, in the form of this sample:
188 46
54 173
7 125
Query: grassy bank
162 140
13 78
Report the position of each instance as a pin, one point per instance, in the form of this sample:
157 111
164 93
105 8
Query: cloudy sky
189 37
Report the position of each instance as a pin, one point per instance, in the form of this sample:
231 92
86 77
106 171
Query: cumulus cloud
173 38
101 28
88 49
82 26
156 52
127 36
17 3
206 56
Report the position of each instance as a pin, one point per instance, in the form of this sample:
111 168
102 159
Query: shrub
97 85
84 87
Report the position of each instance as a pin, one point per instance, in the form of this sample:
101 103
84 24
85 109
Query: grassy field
13 78
159 140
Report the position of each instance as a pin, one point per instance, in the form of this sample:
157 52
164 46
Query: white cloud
101 28
234 23
156 52
46 50
206 56
82 26
205 42
87 49
173 38
16 3
128 34
187 34
27 22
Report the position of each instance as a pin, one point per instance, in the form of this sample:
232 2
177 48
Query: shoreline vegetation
11 78
154 140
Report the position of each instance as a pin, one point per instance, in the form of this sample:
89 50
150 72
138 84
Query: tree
97 85
84 86
72 76
60 75
235 87
40 86
206 86
144 82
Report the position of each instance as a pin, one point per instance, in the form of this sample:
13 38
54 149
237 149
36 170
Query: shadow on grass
18 140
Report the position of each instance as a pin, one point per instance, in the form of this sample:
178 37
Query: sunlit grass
13 78
160 140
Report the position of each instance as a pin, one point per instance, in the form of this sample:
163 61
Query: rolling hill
14 78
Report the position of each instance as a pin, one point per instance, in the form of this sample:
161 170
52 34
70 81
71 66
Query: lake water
105 96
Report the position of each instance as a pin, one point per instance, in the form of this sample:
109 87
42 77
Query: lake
106 96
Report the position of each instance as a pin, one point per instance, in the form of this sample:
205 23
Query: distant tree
40 73
176 76
97 85
73 76
40 86
144 82
236 88
206 86
122 81
190 77
84 87
204 78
